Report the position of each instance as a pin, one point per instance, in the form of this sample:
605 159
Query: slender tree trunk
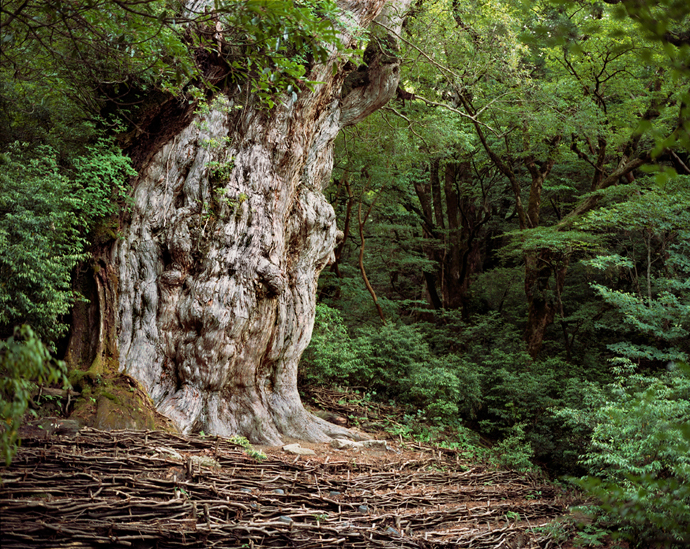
455 230
430 231
346 230
544 300
541 309
212 285
362 270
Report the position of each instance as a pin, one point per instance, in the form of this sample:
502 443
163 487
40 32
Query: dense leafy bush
331 355
395 362
391 354
446 388
639 458
24 362
47 211
638 453
489 381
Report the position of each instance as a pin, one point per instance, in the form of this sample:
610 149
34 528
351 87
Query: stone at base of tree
298 450
342 444
376 445
205 461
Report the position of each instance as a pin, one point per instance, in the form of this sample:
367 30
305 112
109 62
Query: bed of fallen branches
155 489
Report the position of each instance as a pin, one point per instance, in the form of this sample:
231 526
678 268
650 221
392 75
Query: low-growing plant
24 362
638 461
47 210
252 452
514 451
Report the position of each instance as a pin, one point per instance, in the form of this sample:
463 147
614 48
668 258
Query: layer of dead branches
154 489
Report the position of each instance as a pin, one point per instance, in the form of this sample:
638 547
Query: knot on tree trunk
271 276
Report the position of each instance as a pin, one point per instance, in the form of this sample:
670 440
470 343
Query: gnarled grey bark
219 262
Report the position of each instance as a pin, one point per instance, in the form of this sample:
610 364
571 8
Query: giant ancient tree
208 297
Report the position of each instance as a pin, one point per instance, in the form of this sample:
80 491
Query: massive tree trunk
217 267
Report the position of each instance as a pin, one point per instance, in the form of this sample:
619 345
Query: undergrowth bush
639 458
330 356
447 387
394 361
47 210
489 381
24 362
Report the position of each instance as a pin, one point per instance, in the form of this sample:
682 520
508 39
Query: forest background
515 266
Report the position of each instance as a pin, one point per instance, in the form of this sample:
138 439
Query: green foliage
391 353
40 242
66 63
655 306
638 431
63 61
331 354
279 40
392 361
47 211
488 380
514 451
638 459
638 453
252 452
445 388
24 362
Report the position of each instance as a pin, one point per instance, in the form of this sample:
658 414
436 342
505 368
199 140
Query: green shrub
446 388
639 458
46 211
390 354
393 361
514 451
24 362
40 242
330 356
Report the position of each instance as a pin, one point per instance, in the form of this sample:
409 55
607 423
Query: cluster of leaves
66 62
252 452
489 381
24 362
270 46
654 308
638 456
63 61
47 213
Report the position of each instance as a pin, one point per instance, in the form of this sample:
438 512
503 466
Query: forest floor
134 488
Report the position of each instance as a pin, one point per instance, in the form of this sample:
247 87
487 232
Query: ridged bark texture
219 261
